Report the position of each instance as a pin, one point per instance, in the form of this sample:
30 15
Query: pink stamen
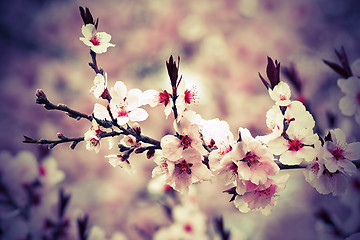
251 158
295 145
164 97
338 153
185 141
184 167
190 95
94 40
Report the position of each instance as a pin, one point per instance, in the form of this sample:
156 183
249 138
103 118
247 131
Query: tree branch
42 99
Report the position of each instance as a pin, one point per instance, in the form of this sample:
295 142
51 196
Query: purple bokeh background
222 44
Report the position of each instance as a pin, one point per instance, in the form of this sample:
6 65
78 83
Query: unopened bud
137 128
60 135
40 96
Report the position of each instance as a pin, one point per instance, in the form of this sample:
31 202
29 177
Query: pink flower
350 103
155 98
100 84
325 182
97 41
298 146
249 159
124 105
280 94
188 137
261 197
187 169
119 161
92 137
338 155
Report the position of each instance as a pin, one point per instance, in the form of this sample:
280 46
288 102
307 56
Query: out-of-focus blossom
49 173
350 103
281 94
298 147
97 41
339 155
120 161
97 233
100 85
124 105
325 182
261 197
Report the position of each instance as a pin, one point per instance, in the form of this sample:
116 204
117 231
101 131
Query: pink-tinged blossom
124 105
155 98
275 123
92 137
100 85
325 182
187 95
49 173
281 94
299 145
188 137
350 103
97 41
338 154
217 131
119 161
297 114
97 233
129 141
261 197
249 160
184 171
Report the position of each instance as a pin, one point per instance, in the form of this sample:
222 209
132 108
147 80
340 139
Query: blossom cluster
200 150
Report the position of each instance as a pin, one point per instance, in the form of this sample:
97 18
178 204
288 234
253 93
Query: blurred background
223 46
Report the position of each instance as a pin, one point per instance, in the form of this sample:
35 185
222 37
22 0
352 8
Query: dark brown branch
75 141
93 64
42 99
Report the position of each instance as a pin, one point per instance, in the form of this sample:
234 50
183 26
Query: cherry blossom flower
249 160
324 181
187 169
261 197
187 94
117 160
124 105
100 85
280 94
97 233
97 41
49 173
297 147
129 141
339 155
92 137
275 123
296 113
188 136
350 103
155 98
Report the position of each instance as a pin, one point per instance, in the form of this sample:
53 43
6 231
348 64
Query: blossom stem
42 99
93 64
75 141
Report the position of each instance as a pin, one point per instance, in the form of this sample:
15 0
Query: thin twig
42 99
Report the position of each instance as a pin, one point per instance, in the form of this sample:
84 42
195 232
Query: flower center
338 153
295 145
190 95
121 111
94 40
164 97
184 167
188 228
251 158
94 142
185 141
